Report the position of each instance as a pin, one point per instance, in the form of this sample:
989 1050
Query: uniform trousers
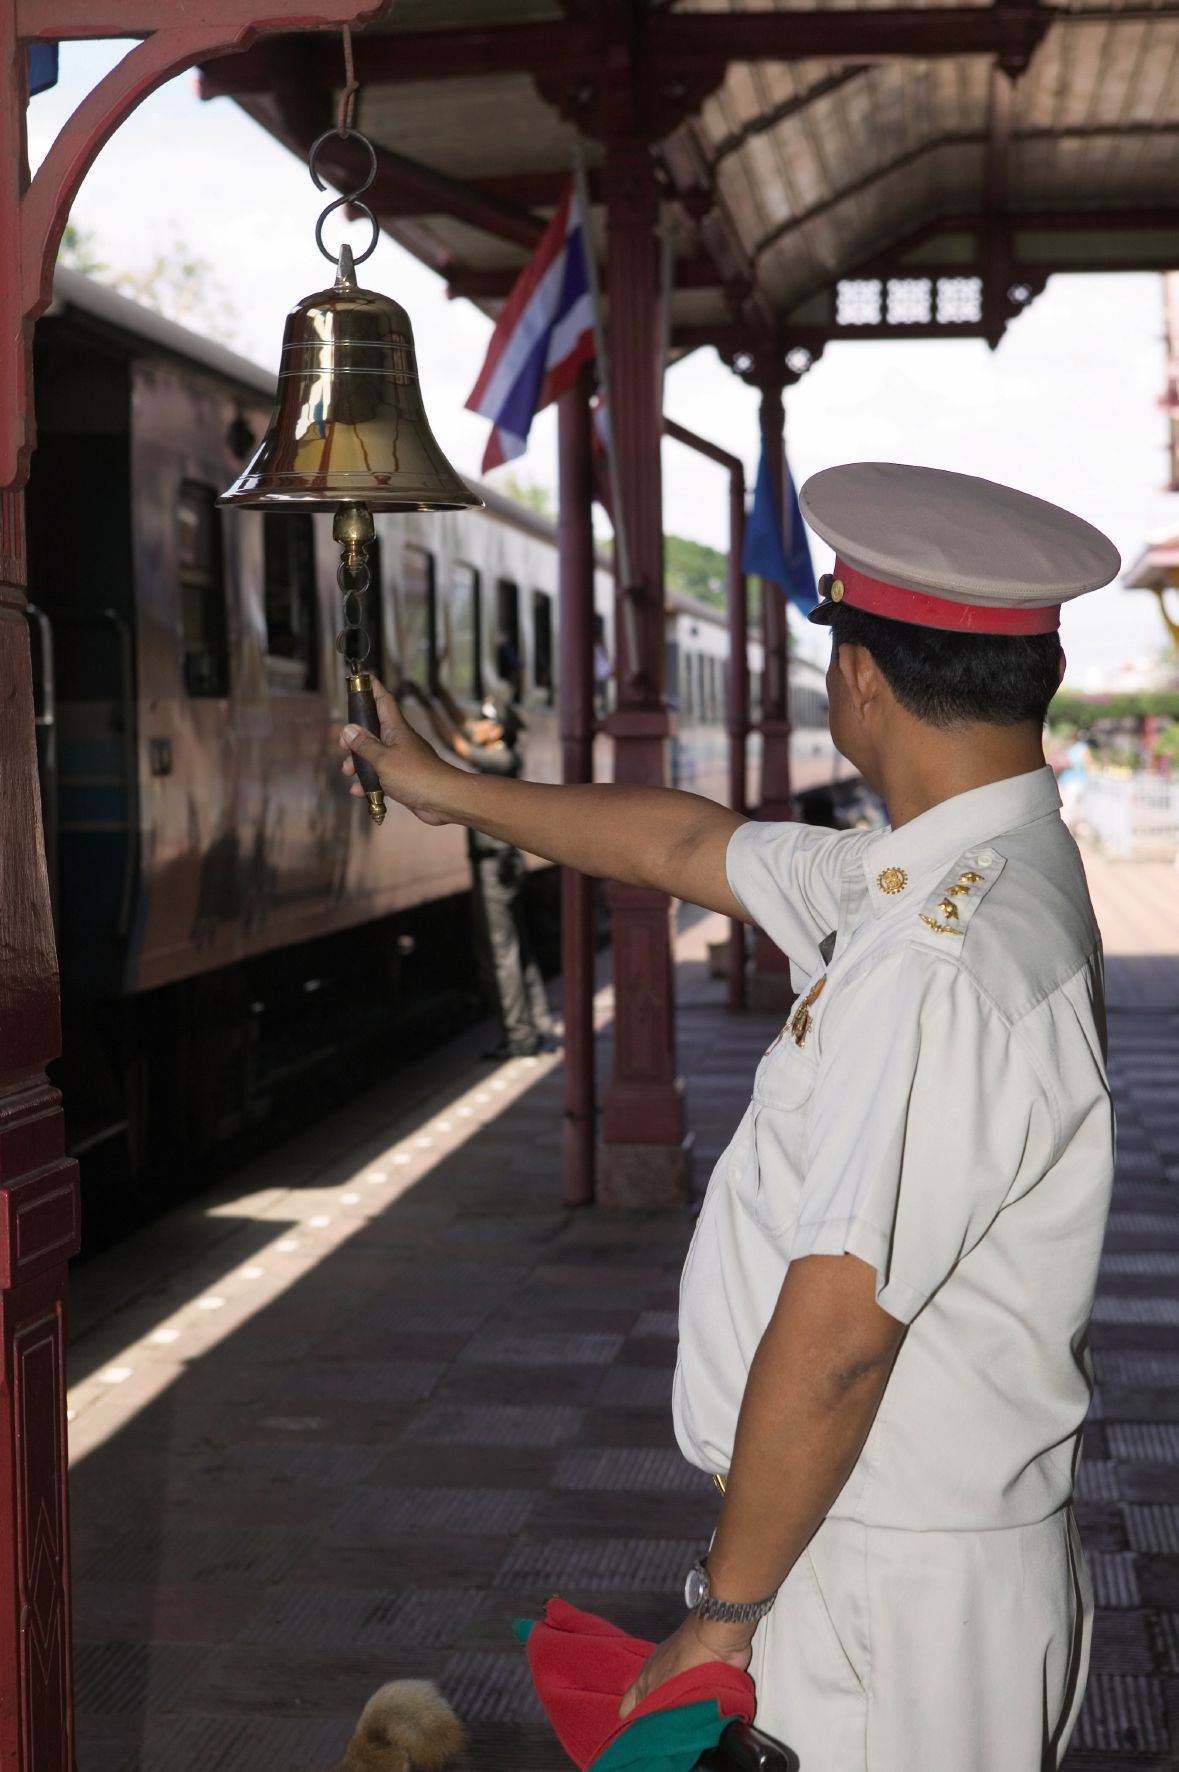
892 1651
507 946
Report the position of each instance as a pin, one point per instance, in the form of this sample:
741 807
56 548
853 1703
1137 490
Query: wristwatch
698 1599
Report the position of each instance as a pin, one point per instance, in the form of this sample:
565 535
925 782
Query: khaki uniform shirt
939 1108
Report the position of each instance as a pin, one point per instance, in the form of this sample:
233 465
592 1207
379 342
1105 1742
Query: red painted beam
682 42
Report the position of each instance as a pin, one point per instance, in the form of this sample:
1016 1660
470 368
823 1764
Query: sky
1066 408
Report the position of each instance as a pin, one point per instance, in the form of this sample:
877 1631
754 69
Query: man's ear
861 677
1063 668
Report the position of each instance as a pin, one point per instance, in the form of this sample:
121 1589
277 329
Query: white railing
1132 813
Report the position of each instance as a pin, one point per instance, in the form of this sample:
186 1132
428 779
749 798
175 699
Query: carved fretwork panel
35 1370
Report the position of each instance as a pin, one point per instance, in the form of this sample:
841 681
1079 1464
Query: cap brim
822 613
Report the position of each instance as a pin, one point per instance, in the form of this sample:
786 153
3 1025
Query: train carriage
203 850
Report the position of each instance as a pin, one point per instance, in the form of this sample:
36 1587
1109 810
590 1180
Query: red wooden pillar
38 1184
737 703
575 545
38 1233
770 985
645 1157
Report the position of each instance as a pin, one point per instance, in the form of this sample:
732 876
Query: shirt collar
896 863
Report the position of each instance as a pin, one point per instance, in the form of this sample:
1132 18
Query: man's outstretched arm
642 836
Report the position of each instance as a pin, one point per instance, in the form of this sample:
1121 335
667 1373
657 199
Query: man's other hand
694 1644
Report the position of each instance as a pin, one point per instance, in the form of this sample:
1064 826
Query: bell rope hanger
349 432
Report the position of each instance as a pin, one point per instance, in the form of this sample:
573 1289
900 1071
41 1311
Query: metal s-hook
352 196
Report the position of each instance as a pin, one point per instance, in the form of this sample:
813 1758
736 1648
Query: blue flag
42 67
777 549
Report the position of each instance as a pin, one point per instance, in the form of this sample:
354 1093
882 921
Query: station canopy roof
831 171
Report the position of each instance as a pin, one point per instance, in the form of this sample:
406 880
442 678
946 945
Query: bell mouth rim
259 498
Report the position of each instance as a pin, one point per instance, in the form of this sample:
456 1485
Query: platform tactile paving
662 1470
1166 1639
1160 1263
496 1424
1097 1480
1123 1713
211 1743
125 1679
585 1349
1145 1442
1114 1580
635 1565
635 1387
490 1686
1116 1308
392 1513
1142 1224
370 1625
1154 1529
1138 1371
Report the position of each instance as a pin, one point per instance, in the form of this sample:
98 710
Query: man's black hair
952 679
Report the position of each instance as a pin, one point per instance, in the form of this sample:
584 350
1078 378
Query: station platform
342 1418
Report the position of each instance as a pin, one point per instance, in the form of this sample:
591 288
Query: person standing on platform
884 1314
491 746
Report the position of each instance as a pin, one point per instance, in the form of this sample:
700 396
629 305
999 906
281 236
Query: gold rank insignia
802 1020
892 880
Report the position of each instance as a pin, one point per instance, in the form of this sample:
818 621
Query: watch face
695 1588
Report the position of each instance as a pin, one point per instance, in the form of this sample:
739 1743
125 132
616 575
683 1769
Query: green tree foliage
177 282
1089 710
694 569
79 250
534 498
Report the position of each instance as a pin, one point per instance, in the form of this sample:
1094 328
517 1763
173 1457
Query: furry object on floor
407 1723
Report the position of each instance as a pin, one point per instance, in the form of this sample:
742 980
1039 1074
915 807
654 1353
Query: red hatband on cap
878 598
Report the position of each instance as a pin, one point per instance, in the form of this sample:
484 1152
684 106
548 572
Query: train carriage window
543 674
509 653
419 616
201 579
292 626
671 669
466 662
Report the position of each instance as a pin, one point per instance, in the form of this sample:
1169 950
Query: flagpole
618 513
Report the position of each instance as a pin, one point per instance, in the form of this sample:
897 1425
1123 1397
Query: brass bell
348 423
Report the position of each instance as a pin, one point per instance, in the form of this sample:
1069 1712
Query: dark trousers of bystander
506 951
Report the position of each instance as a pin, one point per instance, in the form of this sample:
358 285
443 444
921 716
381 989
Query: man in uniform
883 1330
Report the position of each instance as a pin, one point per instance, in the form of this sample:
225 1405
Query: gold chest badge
801 1021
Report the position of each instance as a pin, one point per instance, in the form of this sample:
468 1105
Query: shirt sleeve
926 1114
789 877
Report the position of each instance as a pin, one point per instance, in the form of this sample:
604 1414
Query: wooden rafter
679 43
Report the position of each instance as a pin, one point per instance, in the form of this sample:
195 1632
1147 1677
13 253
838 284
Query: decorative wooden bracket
33 214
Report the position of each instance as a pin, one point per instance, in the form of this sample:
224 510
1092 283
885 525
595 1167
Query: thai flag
543 336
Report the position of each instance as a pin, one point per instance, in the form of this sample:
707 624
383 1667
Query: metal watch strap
733 1611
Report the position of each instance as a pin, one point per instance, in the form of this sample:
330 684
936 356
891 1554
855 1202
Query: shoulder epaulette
948 910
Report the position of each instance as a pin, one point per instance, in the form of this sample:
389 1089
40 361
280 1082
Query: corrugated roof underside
824 166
